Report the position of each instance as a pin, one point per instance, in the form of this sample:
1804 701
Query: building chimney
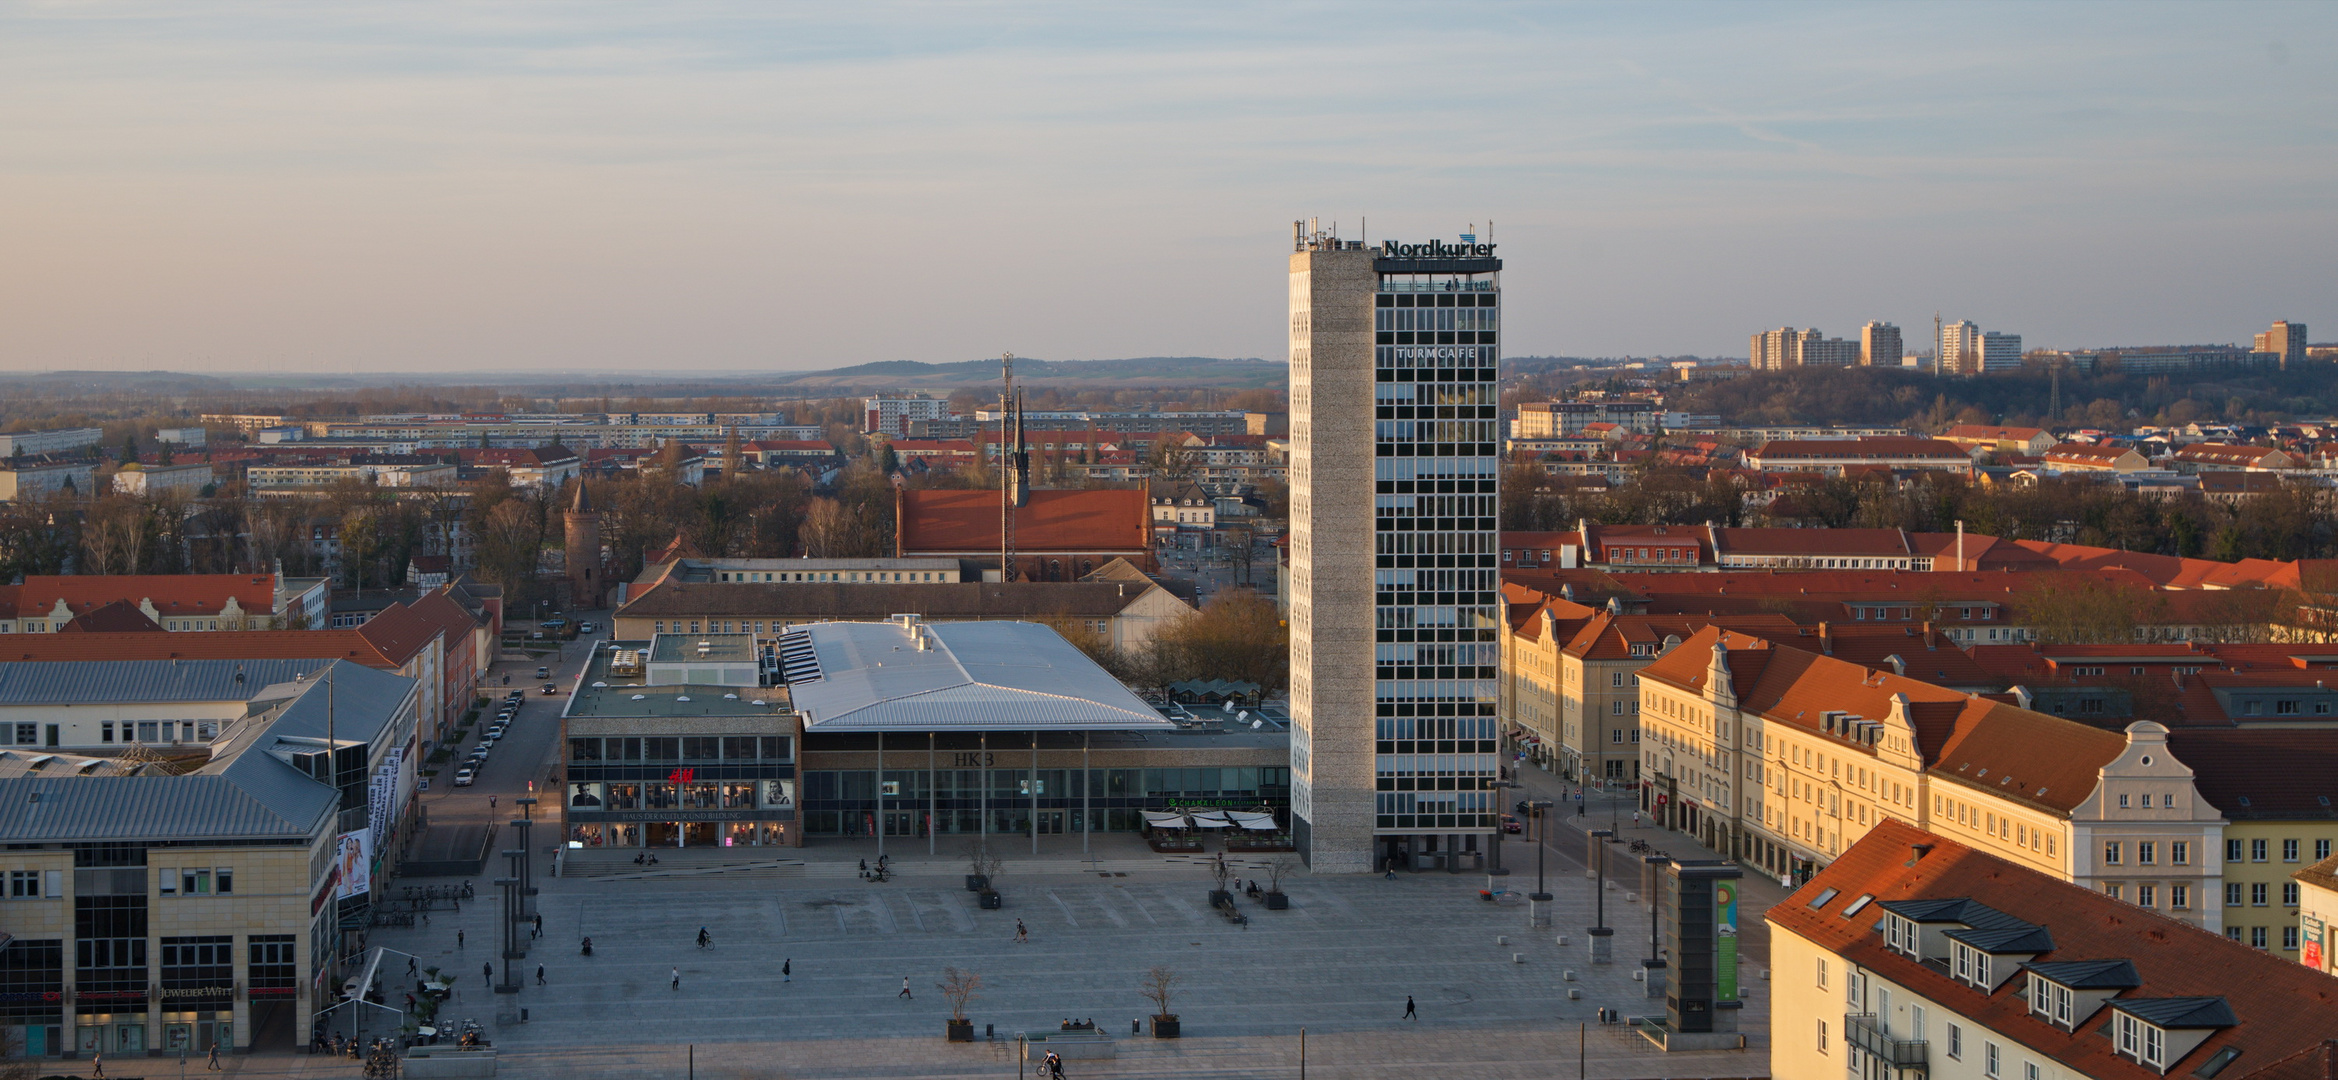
1826 641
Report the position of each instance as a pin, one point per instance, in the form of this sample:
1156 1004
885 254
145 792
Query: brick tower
583 534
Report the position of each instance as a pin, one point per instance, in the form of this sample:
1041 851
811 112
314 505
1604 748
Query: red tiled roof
2235 771
1965 739
1861 449
121 616
934 521
1984 431
221 645
2227 454
171 594
513 457
455 625
2286 1011
2087 452
1611 637
1881 542
400 632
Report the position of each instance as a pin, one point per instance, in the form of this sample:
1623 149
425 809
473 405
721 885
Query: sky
370 188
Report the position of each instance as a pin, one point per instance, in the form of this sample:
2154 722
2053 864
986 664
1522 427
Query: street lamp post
1654 968
1538 913
1602 937
1496 871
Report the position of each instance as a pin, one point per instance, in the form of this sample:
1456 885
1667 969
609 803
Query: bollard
1568 975
1631 898
1517 958
1574 994
1562 940
1502 940
1640 975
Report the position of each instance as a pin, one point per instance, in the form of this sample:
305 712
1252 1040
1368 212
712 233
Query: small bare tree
958 988
1220 871
1277 869
984 862
1158 986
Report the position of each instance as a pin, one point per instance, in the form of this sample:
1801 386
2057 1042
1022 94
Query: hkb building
1395 594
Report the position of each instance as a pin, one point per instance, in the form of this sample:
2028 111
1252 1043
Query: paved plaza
1339 963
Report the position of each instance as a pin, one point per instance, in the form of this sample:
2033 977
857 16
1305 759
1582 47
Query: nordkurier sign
1435 249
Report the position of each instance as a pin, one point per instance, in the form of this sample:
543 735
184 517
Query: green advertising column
1703 995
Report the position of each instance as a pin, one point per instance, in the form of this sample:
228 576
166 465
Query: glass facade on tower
1437 588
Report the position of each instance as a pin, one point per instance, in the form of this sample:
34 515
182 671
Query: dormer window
1972 965
1900 935
2146 1043
2052 1002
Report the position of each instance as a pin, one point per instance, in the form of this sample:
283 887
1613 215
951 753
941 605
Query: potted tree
959 987
987 863
1220 897
1276 868
1158 986
982 865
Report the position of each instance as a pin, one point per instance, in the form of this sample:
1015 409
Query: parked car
553 624
463 778
584 628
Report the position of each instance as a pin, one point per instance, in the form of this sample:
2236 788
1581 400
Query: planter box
976 883
1276 901
961 1030
1220 898
1165 1027
992 901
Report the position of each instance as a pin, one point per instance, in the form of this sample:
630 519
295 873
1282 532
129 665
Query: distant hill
152 382
1163 371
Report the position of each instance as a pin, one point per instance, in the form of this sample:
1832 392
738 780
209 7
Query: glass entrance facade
845 802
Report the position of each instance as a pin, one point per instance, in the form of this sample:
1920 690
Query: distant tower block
583 535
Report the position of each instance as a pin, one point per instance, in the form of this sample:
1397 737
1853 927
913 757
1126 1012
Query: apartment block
1786 347
1879 345
1921 955
2286 340
1784 759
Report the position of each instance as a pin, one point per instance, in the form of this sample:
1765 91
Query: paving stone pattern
1339 963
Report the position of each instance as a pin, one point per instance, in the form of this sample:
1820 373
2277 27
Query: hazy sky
396 187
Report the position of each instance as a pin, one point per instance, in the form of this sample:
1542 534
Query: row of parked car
504 714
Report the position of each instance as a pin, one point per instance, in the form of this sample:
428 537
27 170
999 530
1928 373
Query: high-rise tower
582 536
1395 591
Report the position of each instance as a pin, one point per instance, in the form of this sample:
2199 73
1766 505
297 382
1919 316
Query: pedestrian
905 988
409 965
1410 1013
677 978
487 971
1635 819
1022 933
539 924
458 939
97 1065
785 974
212 1063
539 974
